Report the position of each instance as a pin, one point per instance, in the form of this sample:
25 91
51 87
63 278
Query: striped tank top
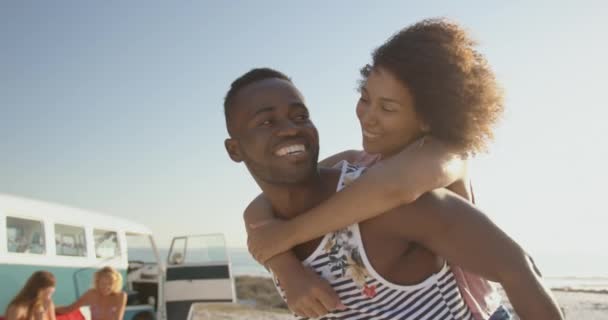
340 258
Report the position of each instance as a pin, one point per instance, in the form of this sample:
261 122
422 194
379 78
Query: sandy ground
581 305
236 311
261 292
577 305
584 306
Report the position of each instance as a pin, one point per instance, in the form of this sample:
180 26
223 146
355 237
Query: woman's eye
388 109
266 123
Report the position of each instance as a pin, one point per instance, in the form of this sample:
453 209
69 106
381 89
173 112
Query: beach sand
582 305
260 301
217 311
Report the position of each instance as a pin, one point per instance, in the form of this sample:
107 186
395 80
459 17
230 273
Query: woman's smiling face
386 113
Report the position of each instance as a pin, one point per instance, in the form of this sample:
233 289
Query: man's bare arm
461 233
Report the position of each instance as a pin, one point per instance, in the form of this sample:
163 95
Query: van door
198 270
144 279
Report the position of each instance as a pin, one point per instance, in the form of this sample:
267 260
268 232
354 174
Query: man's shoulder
257 208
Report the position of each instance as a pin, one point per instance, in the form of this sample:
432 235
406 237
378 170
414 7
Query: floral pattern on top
341 248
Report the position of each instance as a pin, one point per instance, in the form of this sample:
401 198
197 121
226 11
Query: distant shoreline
573 290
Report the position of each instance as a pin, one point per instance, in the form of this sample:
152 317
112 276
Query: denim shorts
501 314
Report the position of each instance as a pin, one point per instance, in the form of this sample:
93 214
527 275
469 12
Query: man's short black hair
248 78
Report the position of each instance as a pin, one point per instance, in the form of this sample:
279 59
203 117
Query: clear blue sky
117 106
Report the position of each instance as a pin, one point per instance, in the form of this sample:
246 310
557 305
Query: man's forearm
461 233
519 287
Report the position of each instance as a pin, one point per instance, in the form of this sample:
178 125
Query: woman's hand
268 238
309 295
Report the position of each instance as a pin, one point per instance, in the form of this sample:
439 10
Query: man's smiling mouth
294 149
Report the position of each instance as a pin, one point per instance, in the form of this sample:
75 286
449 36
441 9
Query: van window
25 236
106 244
198 249
70 241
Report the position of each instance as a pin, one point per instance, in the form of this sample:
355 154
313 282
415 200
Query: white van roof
36 209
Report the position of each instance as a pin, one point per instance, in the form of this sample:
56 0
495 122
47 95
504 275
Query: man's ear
233 149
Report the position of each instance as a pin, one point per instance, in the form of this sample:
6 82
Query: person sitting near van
106 299
34 301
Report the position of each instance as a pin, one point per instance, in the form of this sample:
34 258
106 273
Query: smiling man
380 268
287 157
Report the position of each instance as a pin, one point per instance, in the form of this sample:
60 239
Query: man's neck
289 200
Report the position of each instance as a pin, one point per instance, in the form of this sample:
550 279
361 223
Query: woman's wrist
290 232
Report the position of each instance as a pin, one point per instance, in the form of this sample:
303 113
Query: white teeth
297 148
370 135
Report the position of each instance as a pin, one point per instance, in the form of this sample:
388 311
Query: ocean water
588 284
574 270
563 275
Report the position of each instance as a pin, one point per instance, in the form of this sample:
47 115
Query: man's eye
302 117
266 123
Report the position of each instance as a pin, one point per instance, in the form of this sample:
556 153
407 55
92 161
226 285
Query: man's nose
287 128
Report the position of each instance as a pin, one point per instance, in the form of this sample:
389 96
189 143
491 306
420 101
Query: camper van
74 243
